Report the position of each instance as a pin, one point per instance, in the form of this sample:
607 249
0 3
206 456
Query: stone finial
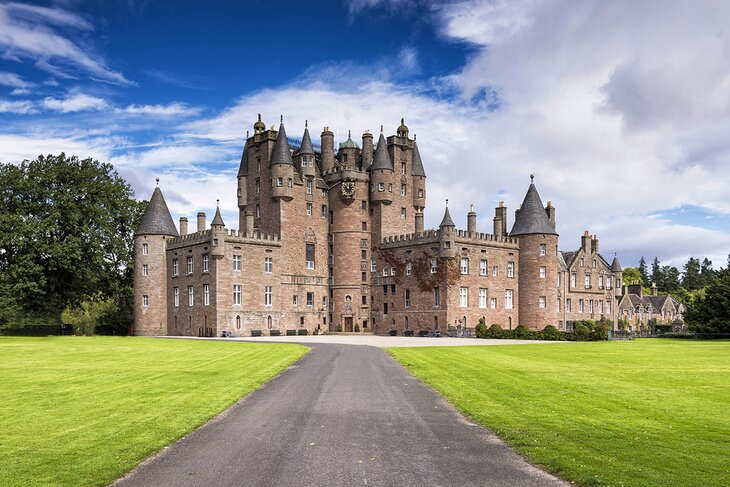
281 118
306 124
259 117
381 129
532 178
158 181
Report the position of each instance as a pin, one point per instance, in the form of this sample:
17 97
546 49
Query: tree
706 272
642 271
670 279
66 233
631 275
691 279
709 312
656 273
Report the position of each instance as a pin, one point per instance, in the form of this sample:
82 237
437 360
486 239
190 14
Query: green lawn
85 410
640 413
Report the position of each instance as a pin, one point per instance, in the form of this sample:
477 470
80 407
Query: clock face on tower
348 189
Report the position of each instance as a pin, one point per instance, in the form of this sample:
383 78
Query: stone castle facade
334 240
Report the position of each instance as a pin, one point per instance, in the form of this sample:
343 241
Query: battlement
232 233
189 238
463 236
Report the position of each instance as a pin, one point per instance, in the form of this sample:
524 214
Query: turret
617 272
328 150
150 267
259 127
500 220
538 263
381 174
241 193
471 222
306 154
419 178
402 129
349 152
217 234
367 150
282 167
248 223
446 235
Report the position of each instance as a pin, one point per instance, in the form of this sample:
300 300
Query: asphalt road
344 415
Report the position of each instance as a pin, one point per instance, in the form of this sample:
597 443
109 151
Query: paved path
342 416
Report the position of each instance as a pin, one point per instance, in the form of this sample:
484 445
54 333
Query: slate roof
417 165
243 168
532 217
282 154
568 257
615 265
306 147
561 261
382 158
217 219
157 219
447 221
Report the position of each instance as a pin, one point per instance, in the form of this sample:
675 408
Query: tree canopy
709 312
66 233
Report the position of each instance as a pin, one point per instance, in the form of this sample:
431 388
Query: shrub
551 333
521 332
494 331
581 332
357 327
339 329
481 330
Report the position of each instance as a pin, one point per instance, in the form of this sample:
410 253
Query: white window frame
191 296
495 271
190 265
309 186
310 303
175 267
482 297
145 300
509 299
407 298
206 295
145 270
483 267
268 265
145 249
236 263
176 297
465 265
463 297
309 209
268 296
510 269
409 268
206 263
543 272
434 265
541 302
237 294
493 303
543 249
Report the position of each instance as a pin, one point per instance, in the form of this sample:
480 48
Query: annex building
334 240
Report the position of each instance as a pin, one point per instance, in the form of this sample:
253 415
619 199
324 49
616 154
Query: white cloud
174 109
13 80
75 102
19 107
33 33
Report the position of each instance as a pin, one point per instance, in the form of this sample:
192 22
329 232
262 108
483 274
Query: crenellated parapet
459 236
232 235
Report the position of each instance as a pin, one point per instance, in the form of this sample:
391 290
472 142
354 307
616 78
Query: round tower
217 234
150 267
282 167
381 174
537 273
349 152
419 178
328 150
367 150
241 191
447 246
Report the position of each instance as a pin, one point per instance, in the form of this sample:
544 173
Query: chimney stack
367 150
328 150
419 221
585 242
248 223
471 222
201 221
183 226
550 210
594 244
500 220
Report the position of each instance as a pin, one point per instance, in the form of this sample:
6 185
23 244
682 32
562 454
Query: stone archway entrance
348 323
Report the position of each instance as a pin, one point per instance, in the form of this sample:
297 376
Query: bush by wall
583 331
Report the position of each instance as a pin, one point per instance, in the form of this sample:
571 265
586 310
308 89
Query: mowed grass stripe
85 410
640 413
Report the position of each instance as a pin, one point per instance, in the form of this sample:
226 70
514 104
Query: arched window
268 322
436 322
406 322
238 322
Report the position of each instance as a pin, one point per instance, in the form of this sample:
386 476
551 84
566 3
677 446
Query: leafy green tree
709 311
66 233
691 279
706 272
631 275
643 272
670 279
656 272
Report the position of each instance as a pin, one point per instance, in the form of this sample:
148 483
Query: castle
335 241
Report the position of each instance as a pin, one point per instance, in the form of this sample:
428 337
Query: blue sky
621 109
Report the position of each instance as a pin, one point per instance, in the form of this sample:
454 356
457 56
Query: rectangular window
206 295
600 282
587 281
176 296
483 266
309 209
402 213
402 167
495 271
420 193
385 308
543 272
543 249
541 302
258 186
558 305
279 182
569 305
595 263
206 262
258 211
236 262
437 296
580 306
381 187
268 265
236 294
309 186
482 298
464 265
268 295
608 282
364 226
510 269
190 265
364 277
433 266
373 266
493 303
363 205
191 296
145 300
390 187
573 279
509 295
407 298
392 271
145 270
463 297
295 300
309 251
600 307
409 268
324 211
590 306
608 307
385 272
175 267
145 249
402 189
310 299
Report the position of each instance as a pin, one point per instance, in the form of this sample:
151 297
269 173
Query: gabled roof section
532 218
306 147
382 158
416 164
217 219
561 261
447 221
157 219
282 154
568 257
615 265
243 168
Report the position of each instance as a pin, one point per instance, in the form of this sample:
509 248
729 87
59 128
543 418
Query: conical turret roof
382 158
282 154
615 265
416 164
243 167
447 221
306 147
157 219
217 219
532 218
